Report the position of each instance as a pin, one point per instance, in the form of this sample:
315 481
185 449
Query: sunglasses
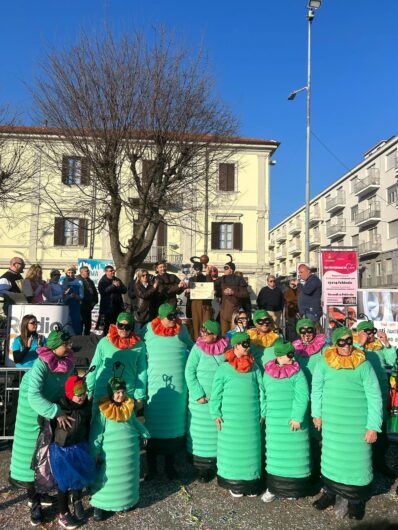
290 355
245 344
263 321
345 342
306 330
371 331
33 322
242 319
227 268
205 331
126 327
271 281
171 316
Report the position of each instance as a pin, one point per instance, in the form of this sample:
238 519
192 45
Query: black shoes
356 510
78 511
36 515
171 473
99 515
324 501
44 500
205 476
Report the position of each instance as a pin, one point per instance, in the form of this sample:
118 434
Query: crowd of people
265 415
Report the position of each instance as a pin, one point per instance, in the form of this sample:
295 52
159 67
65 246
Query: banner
381 306
339 268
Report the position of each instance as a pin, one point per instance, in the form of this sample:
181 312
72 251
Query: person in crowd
212 272
73 295
271 299
142 292
111 290
33 286
262 337
239 322
54 291
205 357
168 344
169 285
114 441
40 390
237 406
286 427
379 352
201 310
309 290
11 280
346 405
90 298
233 292
120 345
291 309
24 346
72 466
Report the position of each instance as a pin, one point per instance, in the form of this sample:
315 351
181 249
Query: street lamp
312 6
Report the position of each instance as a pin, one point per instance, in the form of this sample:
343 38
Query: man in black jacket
271 299
111 290
169 285
9 280
90 298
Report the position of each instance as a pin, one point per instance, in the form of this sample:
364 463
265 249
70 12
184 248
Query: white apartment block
360 210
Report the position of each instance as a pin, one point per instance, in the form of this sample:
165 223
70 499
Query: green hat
126 316
238 337
282 347
56 338
115 384
165 309
340 332
260 313
305 323
366 324
213 326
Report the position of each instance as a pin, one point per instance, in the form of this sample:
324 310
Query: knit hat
340 332
259 314
282 347
75 386
366 324
57 337
304 323
213 326
126 316
231 263
238 337
165 309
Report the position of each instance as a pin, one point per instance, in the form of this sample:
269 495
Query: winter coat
290 297
167 289
111 296
231 303
309 295
144 301
270 299
80 428
90 295
349 402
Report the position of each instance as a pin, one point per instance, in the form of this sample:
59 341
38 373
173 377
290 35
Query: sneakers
78 511
45 500
36 515
324 501
66 520
235 495
268 496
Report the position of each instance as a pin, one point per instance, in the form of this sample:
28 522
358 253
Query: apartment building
235 221
360 210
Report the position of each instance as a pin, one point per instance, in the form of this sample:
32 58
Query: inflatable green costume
262 338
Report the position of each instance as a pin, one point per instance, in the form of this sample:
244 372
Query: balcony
281 254
271 242
158 253
334 204
369 216
368 184
281 236
368 248
336 229
315 216
295 227
315 241
295 248
272 257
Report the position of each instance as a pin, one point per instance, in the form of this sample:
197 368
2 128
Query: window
354 181
372 234
354 212
391 160
226 236
393 229
392 194
355 240
388 263
70 231
226 177
75 170
378 268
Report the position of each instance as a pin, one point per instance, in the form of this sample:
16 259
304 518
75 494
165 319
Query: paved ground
189 505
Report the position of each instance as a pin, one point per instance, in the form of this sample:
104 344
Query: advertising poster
381 306
339 270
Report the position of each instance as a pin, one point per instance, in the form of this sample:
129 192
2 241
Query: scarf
162 331
376 345
350 362
306 350
266 340
281 371
56 364
118 412
214 348
242 364
121 343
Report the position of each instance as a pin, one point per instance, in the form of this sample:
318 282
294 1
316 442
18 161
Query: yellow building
237 218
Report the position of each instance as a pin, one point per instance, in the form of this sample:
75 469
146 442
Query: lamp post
312 6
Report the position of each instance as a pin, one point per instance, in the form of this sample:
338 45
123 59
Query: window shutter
65 169
162 234
222 177
59 231
215 236
231 177
83 229
85 172
238 236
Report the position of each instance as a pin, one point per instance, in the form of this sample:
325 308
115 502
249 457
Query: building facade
360 210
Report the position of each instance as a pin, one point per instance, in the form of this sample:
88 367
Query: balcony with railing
336 203
369 215
336 229
315 240
295 227
368 248
315 215
281 253
271 242
272 257
158 253
281 235
368 184
295 248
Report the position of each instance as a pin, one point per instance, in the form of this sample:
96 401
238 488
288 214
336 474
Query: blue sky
258 51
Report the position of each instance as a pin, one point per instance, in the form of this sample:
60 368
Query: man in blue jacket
309 294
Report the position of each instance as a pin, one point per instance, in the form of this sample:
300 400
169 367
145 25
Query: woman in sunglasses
347 406
205 357
286 427
24 347
168 344
236 406
121 344
379 353
263 337
239 322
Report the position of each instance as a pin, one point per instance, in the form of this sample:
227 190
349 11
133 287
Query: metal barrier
10 382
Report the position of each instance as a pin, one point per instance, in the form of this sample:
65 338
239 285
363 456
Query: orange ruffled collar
162 331
266 340
241 364
339 362
115 412
120 342
376 345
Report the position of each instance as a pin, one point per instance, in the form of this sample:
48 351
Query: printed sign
339 277
202 291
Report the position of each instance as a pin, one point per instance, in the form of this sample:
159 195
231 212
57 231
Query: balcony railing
367 248
336 229
281 236
295 227
295 248
369 216
315 216
158 253
281 254
366 185
272 257
333 204
315 240
271 243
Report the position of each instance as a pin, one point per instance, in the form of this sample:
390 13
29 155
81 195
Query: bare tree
146 122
